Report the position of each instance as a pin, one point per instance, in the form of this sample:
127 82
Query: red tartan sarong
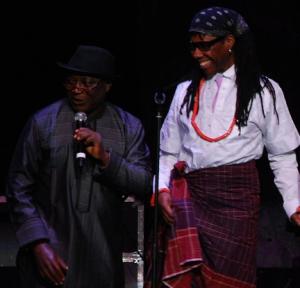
213 241
183 252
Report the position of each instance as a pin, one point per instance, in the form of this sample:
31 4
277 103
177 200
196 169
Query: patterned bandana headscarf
218 21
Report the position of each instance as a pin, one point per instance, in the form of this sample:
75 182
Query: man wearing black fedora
75 162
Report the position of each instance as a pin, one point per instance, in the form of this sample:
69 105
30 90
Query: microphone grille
159 98
80 116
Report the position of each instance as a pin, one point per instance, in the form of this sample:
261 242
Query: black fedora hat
91 60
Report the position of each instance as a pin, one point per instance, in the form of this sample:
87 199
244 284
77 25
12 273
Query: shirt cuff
291 207
32 230
112 168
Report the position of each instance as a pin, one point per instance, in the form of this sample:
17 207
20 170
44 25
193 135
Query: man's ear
108 87
229 41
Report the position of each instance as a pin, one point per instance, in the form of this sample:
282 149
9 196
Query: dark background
149 40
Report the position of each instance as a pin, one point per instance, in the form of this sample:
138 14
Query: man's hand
165 202
93 144
296 217
50 265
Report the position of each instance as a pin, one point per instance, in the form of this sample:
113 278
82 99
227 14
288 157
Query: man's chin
209 73
79 107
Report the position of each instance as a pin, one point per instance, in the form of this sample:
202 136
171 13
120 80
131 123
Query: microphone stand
159 99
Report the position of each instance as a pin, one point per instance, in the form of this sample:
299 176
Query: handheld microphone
80 121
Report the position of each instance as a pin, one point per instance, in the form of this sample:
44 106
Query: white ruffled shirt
180 142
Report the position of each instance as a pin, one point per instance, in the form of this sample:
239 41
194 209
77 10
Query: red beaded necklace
195 112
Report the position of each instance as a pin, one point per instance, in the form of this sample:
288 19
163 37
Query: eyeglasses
83 82
205 45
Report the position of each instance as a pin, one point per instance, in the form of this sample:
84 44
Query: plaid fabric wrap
223 203
226 205
183 251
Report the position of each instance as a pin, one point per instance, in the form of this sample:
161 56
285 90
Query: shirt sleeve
22 176
281 138
170 140
279 133
287 180
130 174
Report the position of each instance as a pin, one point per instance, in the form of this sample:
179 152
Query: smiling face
86 93
213 54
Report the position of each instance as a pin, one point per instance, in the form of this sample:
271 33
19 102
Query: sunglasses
83 82
204 45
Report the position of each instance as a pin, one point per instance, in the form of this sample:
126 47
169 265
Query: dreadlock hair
249 81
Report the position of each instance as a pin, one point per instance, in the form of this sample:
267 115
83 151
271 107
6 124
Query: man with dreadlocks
217 126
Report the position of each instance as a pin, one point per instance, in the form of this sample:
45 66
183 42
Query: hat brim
70 69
